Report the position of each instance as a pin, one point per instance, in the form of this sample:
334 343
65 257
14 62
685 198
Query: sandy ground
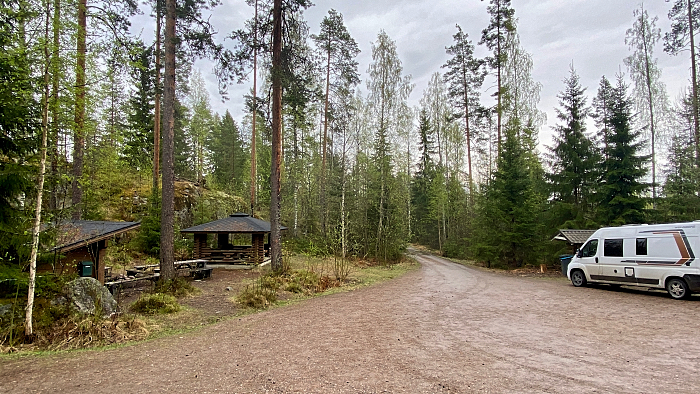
445 328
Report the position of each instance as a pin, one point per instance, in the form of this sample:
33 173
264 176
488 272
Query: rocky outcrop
195 204
88 296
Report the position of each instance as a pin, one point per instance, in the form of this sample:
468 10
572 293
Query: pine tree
574 157
339 50
494 36
465 76
685 23
621 189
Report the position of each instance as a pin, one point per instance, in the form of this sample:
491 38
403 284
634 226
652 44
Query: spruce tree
507 228
422 181
228 157
138 144
19 120
681 201
573 157
621 188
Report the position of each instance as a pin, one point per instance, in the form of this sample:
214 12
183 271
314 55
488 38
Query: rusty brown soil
444 328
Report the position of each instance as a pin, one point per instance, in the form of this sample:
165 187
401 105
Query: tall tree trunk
650 102
498 79
253 158
55 67
325 140
693 65
79 134
156 115
28 323
276 159
167 268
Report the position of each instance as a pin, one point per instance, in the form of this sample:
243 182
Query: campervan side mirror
578 253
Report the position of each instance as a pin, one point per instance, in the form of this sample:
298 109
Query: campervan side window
641 246
612 248
590 248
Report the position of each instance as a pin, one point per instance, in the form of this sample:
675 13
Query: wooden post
200 240
258 252
100 263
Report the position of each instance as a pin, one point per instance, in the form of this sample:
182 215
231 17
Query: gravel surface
444 328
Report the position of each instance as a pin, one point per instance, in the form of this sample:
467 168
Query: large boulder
88 296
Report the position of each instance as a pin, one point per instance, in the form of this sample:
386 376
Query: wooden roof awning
79 233
573 237
240 223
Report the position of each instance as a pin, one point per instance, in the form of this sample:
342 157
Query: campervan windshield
589 249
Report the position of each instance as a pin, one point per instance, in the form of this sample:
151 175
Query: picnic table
197 269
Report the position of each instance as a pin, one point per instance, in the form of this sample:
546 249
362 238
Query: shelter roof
75 234
236 223
574 237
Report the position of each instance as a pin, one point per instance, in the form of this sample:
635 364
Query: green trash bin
85 268
565 259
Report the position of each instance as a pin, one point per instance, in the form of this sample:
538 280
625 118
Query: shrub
257 296
155 303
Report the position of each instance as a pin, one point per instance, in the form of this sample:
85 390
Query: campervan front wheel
578 278
677 288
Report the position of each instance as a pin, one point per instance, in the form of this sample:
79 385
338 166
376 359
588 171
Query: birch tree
649 92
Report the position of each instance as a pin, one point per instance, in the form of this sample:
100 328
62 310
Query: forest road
444 328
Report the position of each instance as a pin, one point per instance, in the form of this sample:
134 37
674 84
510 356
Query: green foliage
229 160
681 202
621 189
148 238
138 149
155 303
19 123
573 160
507 230
259 295
177 287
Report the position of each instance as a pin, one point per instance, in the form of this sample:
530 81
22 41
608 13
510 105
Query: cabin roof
574 237
75 234
236 223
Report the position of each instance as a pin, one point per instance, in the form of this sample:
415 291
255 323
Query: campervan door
617 261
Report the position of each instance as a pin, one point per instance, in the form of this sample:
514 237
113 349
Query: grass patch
308 276
155 303
177 287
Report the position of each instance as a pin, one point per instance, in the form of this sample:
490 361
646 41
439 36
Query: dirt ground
444 328
216 293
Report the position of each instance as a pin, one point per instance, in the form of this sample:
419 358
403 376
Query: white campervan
659 255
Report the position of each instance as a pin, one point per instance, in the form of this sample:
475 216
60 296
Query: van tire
677 288
578 278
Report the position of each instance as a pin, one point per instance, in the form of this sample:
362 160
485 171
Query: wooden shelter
232 246
86 240
575 238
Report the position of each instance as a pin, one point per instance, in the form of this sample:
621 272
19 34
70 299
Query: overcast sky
588 33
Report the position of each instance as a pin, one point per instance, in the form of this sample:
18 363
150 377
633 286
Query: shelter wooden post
258 248
200 241
100 260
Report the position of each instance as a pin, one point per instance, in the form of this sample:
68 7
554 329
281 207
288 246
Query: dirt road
442 329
